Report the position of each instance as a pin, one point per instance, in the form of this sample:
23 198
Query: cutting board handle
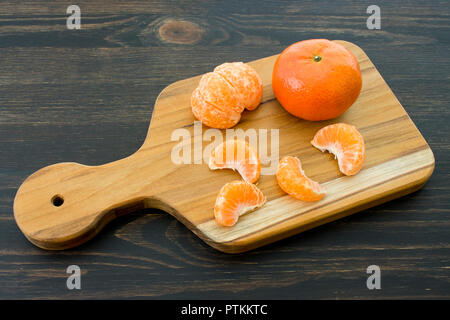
65 204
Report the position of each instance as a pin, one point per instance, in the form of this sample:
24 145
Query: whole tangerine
316 79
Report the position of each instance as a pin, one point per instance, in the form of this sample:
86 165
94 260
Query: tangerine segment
215 90
245 80
237 155
235 199
346 143
222 95
294 182
210 115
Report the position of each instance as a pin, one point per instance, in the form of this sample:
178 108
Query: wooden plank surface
398 162
87 95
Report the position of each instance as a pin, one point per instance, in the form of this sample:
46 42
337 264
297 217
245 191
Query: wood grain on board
398 162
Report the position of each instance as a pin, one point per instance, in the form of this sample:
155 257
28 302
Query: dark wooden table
87 96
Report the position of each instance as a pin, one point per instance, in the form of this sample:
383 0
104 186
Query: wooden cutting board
64 205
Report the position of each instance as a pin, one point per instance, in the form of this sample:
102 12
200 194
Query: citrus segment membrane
222 95
245 80
237 155
235 199
346 143
293 180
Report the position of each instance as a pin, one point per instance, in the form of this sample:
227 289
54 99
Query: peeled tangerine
222 95
346 143
237 155
294 182
235 199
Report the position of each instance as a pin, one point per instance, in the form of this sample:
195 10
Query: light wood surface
398 161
